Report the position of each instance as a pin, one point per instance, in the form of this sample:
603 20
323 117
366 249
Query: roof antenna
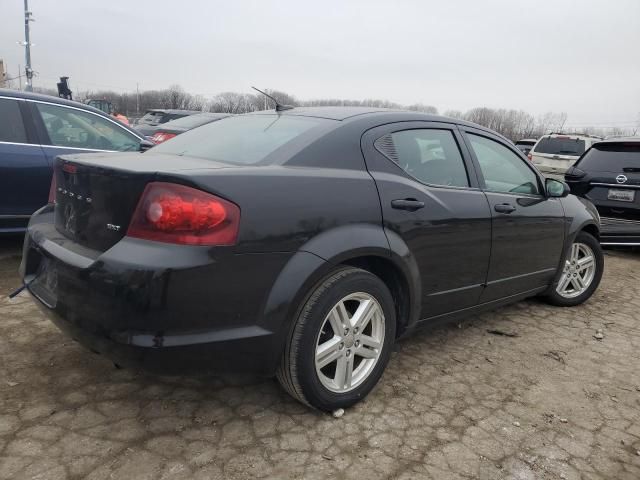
279 107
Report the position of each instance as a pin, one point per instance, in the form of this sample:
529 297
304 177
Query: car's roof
531 140
172 110
47 98
620 140
348 113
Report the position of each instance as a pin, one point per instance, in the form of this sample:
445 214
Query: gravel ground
458 402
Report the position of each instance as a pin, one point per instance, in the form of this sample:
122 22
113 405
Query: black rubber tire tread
287 373
554 298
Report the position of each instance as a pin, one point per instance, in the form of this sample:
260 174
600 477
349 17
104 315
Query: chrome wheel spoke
565 280
328 352
585 262
339 318
365 352
368 341
344 372
363 315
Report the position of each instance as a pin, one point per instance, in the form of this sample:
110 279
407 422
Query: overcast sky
580 57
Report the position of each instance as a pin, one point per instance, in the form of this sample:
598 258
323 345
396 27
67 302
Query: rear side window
243 140
431 156
560 146
616 157
11 126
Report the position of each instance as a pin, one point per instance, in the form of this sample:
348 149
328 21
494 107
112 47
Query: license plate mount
621 195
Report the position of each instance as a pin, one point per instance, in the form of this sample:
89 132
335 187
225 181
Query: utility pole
137 100
27 46
20 77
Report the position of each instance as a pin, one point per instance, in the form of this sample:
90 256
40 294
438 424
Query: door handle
504 208
410 204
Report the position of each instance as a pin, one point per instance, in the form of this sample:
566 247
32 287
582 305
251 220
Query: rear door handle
410 204
504 208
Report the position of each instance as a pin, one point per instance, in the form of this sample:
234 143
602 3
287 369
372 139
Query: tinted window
11 126
617 157
246 139
429 155
560 146
503 170
68 127
151 118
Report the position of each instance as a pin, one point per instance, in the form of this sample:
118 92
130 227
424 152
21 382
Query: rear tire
341 341
581 275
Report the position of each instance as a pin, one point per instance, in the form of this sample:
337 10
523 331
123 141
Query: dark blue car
34 129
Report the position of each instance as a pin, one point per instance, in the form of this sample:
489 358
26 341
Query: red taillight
52 189
172 213
160 137
530 157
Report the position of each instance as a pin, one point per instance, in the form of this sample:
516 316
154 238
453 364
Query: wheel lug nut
341 346
348 352
357 344
346 331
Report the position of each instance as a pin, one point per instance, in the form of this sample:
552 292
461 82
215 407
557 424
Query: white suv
556 152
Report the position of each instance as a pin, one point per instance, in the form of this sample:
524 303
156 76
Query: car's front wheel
581 272
341 341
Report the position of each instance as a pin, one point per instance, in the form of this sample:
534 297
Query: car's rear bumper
619 231
163 307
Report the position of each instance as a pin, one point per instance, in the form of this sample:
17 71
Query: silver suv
556 152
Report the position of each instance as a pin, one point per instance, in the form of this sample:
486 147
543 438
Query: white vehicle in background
556 152
525 144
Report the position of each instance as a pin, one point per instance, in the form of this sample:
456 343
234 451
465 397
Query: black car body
304 192
175 127
149 122
608 174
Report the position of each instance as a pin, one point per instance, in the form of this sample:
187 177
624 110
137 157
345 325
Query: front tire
341 341
581 272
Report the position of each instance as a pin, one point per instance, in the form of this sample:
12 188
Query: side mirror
556 188
145 145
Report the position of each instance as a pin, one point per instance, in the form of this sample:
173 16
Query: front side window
431 156
503 170
68 127
11 126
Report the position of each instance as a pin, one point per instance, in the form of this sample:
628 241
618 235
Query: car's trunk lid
96 195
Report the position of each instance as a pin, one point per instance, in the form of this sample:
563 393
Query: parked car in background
525 144
148 123
302 242
181 125
608 175
34 129
556 152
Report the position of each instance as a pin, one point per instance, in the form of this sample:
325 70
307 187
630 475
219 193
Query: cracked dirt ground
458 402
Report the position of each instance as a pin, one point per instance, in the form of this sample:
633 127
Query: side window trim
462 148
466 131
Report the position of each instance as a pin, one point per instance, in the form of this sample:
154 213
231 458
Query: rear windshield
192 121
560 146
151 118
243 140
612 158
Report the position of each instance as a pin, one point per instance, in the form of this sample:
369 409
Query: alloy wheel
350 342
578 272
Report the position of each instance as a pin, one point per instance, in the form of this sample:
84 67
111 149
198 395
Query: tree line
513 124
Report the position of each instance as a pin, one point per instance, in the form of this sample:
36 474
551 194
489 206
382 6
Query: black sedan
175 127
302 243
608 174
